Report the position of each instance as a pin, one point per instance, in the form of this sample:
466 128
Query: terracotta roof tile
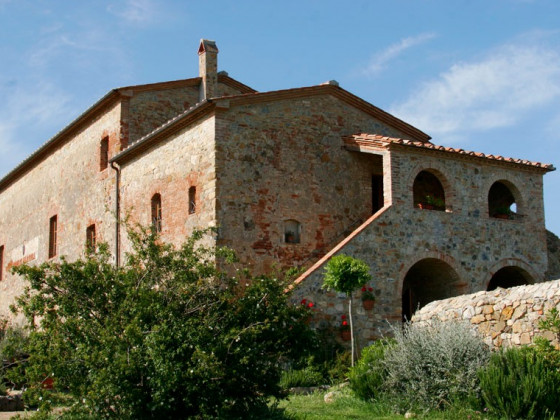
376 140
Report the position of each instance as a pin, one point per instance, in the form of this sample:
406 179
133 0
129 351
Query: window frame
53 236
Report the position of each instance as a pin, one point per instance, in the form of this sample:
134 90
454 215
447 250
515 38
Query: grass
344 406
347 406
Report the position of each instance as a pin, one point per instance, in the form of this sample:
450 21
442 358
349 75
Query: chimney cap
207 45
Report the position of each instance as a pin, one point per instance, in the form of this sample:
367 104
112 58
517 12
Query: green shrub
308 376
166 335
368 376
521 383
432 366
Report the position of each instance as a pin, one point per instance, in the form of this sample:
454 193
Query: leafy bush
308 376
521 383
165 336
431 366
368 376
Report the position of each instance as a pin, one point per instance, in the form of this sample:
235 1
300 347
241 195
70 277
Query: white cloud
135 11
380 60
25 110
491 93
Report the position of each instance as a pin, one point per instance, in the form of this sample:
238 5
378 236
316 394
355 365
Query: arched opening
428 280
501 201
292 231
428 192
509 277
156 213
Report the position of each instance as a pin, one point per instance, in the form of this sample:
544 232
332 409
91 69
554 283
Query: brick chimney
208 69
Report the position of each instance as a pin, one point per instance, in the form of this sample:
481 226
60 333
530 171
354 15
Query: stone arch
430 277
501 197
437 171
510 272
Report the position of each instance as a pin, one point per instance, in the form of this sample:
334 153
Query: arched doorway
509 277
428 280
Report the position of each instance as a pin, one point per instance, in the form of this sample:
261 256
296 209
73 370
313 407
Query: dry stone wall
504 317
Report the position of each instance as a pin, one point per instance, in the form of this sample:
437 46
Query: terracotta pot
425 206
345 335
368 304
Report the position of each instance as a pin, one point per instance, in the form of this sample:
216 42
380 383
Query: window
90 237
53 236
192 200
292 230
104 153
501 201
156 213
428 192
1 262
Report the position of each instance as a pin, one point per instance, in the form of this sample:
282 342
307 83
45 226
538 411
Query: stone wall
170 168
452 252
70 184
282 160
504 317
553 249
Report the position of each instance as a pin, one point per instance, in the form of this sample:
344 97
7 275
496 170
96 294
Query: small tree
346 274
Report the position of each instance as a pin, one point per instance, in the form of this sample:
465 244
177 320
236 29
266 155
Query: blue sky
478 75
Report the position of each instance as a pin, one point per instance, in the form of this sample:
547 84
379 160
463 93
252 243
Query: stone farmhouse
290 178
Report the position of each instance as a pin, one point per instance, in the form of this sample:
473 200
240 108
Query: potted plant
345 333
368 298
432 203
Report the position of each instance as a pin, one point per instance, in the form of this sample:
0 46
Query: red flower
364 288
370 289
303 301
343 316
344 323
310 305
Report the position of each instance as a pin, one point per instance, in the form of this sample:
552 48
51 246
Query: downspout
117 214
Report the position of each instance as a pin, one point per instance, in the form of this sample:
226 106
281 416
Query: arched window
428 192
192 200
156 213
292 231
104 153
501 201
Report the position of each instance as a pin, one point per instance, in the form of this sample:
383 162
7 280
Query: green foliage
13 342
368 376
431 366
165 336
308 376
345 274
338 368
521 383
551 322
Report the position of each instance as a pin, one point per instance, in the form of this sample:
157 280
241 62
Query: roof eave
164 131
